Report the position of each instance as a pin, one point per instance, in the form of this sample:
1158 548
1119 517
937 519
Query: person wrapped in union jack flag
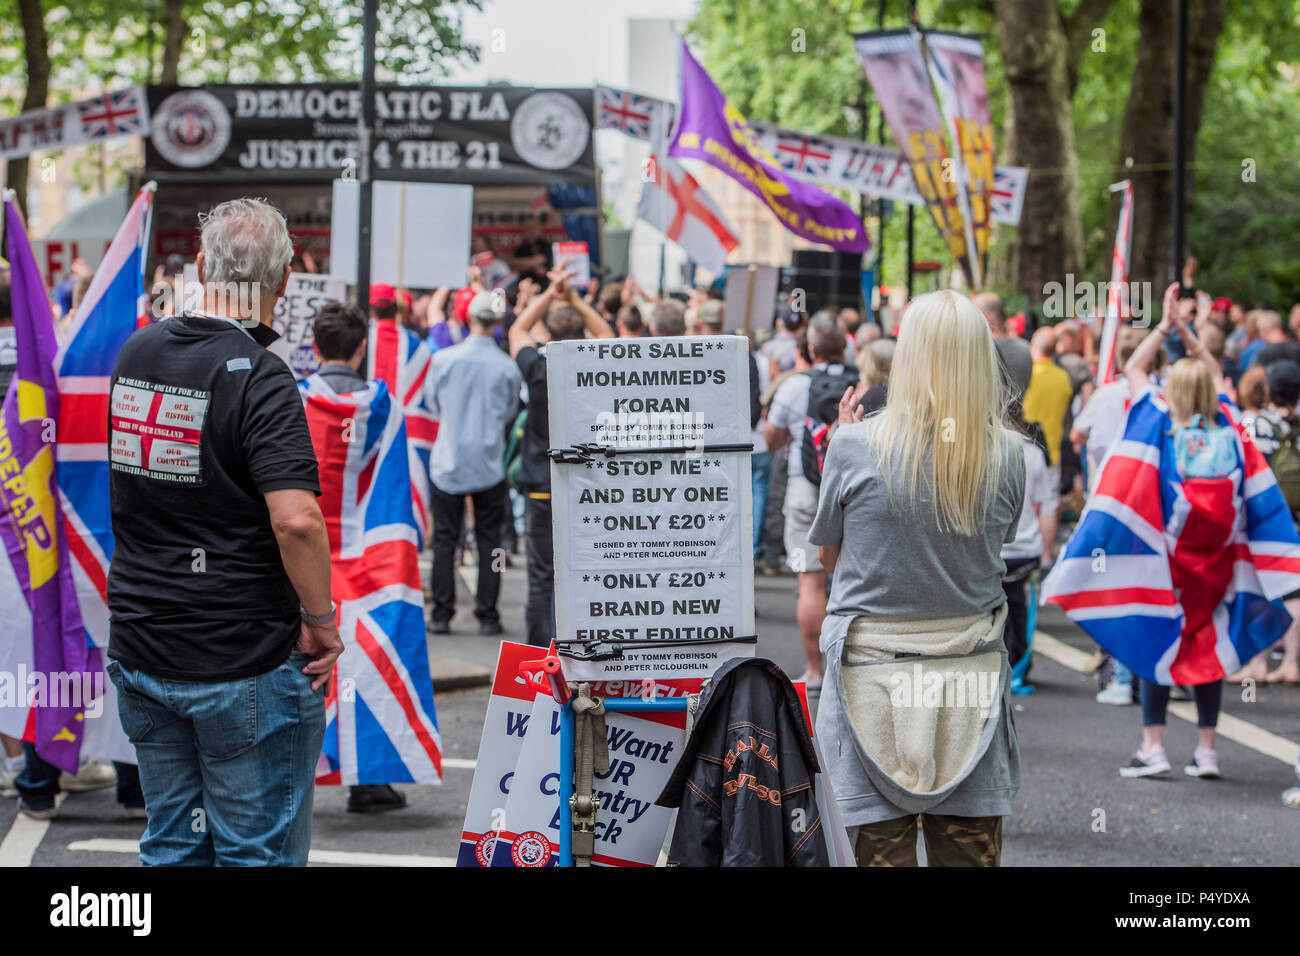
1182 559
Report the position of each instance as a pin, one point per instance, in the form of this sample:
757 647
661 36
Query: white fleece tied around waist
920 719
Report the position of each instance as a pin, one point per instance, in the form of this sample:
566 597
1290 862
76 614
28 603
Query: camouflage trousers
949 841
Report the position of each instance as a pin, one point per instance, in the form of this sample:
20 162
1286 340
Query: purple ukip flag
712 129
31 527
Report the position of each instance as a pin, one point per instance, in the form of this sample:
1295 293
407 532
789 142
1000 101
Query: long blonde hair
1189 391
946 399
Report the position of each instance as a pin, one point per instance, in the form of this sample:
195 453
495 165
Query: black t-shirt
202 421
535 464
534 247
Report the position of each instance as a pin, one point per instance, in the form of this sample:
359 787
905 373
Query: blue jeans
760 463
228 768
1123 676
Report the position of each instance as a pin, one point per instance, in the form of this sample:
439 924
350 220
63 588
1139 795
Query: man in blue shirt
473 390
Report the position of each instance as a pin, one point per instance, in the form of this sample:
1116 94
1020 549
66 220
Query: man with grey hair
223 634
668 317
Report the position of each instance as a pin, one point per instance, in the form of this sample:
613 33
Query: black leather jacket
744 784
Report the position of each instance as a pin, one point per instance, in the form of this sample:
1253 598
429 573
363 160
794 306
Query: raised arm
1135 371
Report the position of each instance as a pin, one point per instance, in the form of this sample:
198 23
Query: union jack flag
113 114
625 112
1008 194
1179 578
114 307
398 358
804 155
380 721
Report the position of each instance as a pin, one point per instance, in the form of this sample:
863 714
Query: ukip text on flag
710 128
31 529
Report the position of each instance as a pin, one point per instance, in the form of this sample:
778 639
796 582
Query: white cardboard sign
295 315
630 829
419 235
657 545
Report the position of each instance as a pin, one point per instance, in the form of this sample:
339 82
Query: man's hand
324 644
1169 316
850 409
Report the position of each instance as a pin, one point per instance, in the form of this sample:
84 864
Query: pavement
1074 809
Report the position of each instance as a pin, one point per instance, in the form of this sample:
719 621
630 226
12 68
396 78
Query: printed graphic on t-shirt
157 430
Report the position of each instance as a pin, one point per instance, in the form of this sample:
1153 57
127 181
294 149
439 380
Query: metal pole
880 203
365 129
1180 133
911 254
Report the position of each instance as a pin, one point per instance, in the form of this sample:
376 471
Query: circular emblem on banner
191 128
530 849
550 130
483 848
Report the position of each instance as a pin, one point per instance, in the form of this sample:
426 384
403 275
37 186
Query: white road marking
469 574
20 843
344 857
1233 728
1244 733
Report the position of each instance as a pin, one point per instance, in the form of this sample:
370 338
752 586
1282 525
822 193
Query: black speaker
829 279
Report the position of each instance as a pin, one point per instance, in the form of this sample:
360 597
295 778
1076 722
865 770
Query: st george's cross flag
673 202
400 359
381 726
1179 578
1115 306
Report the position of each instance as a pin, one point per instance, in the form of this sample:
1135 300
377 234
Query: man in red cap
400 358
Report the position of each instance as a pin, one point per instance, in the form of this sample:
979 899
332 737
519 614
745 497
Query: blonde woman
1191 391
916 504
874 362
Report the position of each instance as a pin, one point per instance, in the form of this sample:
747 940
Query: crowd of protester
847 413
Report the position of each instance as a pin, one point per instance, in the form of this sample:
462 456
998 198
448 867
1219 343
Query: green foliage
1252 111
98 44
1241 231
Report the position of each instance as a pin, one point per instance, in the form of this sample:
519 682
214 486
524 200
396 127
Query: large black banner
489 135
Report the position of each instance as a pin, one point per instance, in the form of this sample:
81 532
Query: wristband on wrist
319 620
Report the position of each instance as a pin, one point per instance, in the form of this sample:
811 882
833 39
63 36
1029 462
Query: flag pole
365 129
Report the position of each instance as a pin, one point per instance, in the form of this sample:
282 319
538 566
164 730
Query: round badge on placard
530 849
483 848
550 131
191 128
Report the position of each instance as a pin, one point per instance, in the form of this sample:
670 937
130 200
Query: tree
174 30
70 50
1042 47
31 18
1148 126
